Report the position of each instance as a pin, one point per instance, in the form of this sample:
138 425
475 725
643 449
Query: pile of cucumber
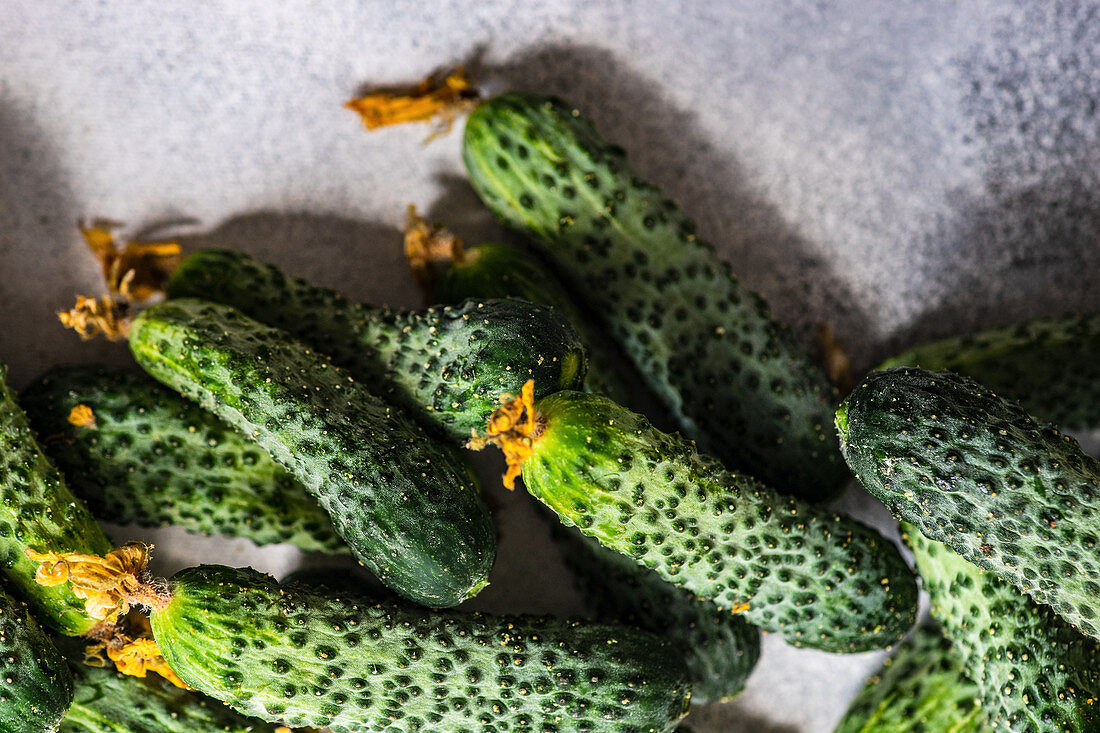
276 410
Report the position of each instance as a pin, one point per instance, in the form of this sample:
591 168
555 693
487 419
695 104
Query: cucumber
35 684
38 512
1049 365
976 472
445 365
155 459
1036 672
720 649
407 505
731 376
922 688
495 270
817 579
108 702
285 653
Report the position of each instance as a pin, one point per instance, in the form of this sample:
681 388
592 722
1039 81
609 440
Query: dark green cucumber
407 505
108 702
35 684
817 579
720 649
1052 366
1036 672
495 270
446 365
731 376
38 511
155 459
289 654
976 472
922 688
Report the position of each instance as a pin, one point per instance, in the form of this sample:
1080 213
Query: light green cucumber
304 657
720 649
817 579
1052 366
152 458
406 504
35 684
445 365
38 511
1035 671
730 374
976 472
922 688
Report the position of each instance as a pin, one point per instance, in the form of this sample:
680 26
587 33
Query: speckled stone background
896 170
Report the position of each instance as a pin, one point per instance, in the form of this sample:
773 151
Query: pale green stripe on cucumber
38 511
1052 365
730 374
35 684
446 365
152 458
289 654
1035 671
976 472
407 505
922 688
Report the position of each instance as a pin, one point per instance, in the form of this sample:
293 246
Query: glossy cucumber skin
1051 366
156 459
446 365
35 684
407 505
922 688
720 649
817 579
976 472
731 375
318 658
109 702
38 511
1036 672
496 270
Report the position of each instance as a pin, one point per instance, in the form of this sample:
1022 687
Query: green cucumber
817 579
407 505
155 459
976 472
304 657
922 688
732 376
108 702
445 365
720 649
1036 672
37 511
495 270
1050 365
35 684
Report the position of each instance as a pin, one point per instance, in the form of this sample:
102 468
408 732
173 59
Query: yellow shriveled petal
427 245
139 270
433 99
91 317
109 584
513 427
142 656
82 417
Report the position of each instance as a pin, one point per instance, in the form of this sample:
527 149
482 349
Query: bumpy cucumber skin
1051 366
720 649
407 505
108 702
922 688
817 579
446 365
976 472
306 658
35 684
495 270
156 459
731 376
38 511
1036 672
